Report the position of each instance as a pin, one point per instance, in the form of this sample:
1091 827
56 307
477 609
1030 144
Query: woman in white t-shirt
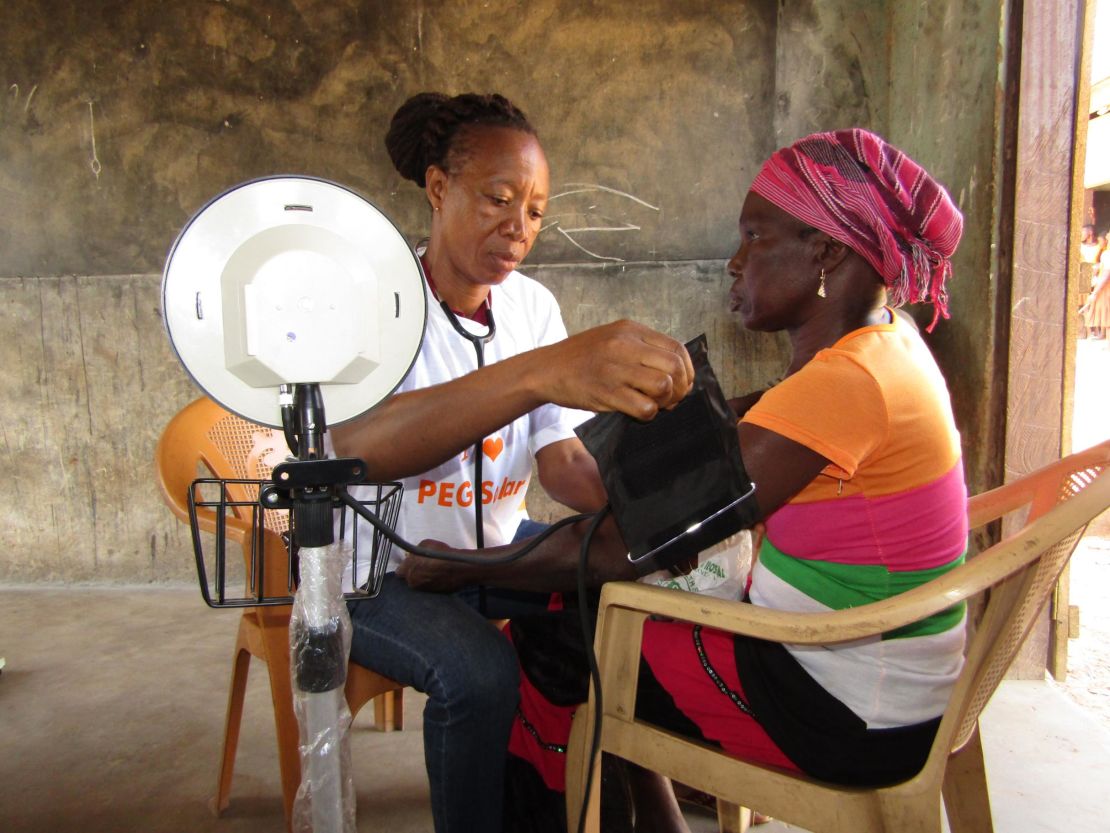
486 179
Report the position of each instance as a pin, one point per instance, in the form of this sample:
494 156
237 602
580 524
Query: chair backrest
1014 603
205 440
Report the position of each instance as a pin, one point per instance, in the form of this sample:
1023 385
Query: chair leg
398 709
240 667
383 712
276 641
966 800
578 768
909 813
732 818
389 711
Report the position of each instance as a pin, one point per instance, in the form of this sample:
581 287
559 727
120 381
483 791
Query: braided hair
433 129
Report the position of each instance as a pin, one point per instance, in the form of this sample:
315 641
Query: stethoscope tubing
479 342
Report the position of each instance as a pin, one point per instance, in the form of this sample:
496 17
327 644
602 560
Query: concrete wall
119 120
89 381
946 94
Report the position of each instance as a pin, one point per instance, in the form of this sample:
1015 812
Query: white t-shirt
439 503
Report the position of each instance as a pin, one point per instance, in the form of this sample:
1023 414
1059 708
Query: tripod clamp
311 489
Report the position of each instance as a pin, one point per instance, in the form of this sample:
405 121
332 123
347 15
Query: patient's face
775 271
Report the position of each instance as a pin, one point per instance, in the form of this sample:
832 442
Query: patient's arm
780 468
551 567
740 405
569 475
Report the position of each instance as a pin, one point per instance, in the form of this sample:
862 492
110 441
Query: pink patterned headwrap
869 195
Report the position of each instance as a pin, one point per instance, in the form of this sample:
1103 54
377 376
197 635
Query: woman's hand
623 366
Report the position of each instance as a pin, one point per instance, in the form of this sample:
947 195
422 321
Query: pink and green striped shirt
888 513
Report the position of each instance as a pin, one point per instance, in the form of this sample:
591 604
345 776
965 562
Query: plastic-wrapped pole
320 642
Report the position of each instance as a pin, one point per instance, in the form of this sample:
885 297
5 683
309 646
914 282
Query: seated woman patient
861 486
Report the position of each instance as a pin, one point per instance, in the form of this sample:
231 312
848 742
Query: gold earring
821 288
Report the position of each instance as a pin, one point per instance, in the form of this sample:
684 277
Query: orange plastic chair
1017 577
204 440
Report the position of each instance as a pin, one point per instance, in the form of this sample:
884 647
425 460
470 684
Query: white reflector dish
289 280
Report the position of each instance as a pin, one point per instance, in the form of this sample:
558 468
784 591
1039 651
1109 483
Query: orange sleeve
832 406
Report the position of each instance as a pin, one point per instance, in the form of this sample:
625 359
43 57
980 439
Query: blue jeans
440 645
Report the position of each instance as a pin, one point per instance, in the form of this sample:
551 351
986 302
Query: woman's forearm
414 431
622 366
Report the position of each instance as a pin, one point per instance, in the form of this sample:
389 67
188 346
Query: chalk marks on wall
94 161
591 221
13 92
15 108
15 101
568 235
583 188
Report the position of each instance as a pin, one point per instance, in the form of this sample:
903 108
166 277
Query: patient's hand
433 575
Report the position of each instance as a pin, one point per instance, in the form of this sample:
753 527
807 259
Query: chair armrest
1040 489
827 628
993 504
773 625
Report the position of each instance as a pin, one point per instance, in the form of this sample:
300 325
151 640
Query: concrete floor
112 704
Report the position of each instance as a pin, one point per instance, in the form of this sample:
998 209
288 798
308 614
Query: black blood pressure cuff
676 484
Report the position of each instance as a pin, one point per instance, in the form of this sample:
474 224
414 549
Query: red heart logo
493 446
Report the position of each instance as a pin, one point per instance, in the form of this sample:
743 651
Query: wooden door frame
1048 136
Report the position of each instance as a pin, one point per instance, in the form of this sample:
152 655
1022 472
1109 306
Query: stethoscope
479 341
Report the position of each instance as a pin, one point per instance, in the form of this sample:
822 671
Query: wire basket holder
257 516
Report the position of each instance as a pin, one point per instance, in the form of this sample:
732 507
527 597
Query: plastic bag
722 570
320 643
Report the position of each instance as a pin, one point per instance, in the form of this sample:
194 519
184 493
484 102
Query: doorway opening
1086 663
